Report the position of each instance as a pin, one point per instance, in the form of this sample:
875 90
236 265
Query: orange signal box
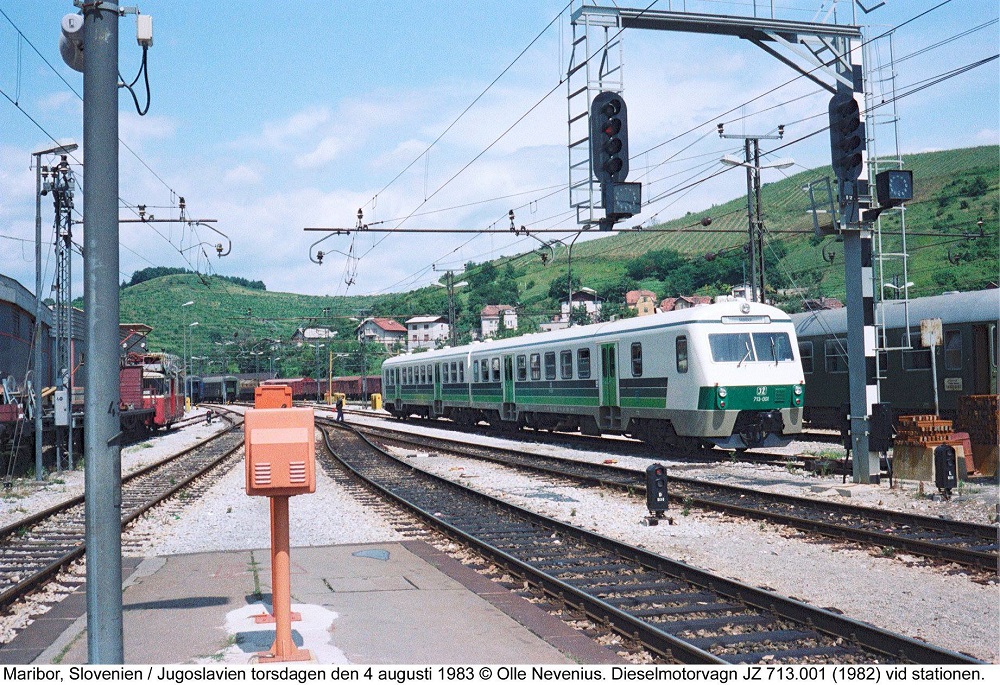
272 397
280 451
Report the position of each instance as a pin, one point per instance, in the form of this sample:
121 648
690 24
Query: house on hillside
585 298
821 303
424 332
489 319
301 336
669 304
642 302
388 332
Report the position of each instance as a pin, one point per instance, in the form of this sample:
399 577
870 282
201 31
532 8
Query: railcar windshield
747 347
772 347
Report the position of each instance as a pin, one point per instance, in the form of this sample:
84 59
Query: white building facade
425 332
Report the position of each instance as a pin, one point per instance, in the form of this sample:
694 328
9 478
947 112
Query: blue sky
272 117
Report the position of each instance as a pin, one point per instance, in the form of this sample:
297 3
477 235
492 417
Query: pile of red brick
979 417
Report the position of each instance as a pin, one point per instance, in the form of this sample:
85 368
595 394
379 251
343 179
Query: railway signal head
656 489
609 137
847 136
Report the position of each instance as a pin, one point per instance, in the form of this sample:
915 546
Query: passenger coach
726 374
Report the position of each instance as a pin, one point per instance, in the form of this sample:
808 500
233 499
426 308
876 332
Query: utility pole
37 376
453 330
755 220
102 424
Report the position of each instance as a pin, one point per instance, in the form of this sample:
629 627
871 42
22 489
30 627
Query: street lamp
184 350
186 328
756 224
37 379
898 288
316 365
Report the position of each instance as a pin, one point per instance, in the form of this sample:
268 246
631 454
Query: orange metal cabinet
272 397
280 451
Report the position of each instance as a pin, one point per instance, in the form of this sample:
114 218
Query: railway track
619 445
680 613
968 544
36 548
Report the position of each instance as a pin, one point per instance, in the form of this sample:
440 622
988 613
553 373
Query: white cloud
328 149
244 174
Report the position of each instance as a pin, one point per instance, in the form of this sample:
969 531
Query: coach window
425 375
461 372
495 370
636 359
682 354
475 371
550 366
522 368
918 358
953 350
566 363
835 356
536 367
454 372
583 362
806 355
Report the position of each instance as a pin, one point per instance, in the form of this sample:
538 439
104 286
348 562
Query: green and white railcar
727 374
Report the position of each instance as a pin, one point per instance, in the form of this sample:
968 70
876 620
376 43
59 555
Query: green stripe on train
750 397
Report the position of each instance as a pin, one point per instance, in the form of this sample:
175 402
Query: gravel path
26 496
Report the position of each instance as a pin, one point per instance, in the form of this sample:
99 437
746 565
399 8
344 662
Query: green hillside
953 190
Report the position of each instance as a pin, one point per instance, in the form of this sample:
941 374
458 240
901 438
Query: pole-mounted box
272 397
280 452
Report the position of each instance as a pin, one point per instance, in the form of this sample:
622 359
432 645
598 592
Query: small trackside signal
609 137
847 136
656 492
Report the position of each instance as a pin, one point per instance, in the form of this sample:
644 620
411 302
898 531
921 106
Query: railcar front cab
752 383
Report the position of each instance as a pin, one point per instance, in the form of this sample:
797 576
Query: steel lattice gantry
828 54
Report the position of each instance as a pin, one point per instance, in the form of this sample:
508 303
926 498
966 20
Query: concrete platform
391 603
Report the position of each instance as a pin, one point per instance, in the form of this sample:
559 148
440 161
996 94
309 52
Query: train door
397 390
508 379
984 363
438 403
609 375
610 415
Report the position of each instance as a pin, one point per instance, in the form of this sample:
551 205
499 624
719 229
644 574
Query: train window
682 354
495 370
583 362
454 372
409 376
918 358
730 347
536 367
423 374
475 371
566 363
636 359
835 356
522 368
806 355
550 366
461 372
773 347
953 350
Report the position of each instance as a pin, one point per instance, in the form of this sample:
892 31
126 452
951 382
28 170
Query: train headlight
721 397
797 391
